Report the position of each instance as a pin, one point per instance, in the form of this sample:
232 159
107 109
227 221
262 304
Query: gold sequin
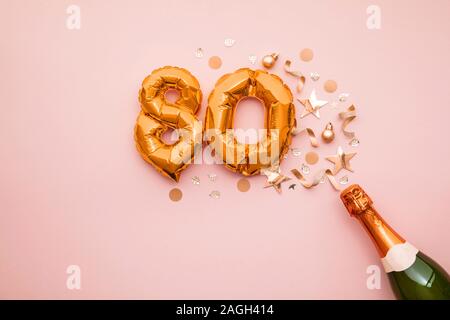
243 185
215 62
330 86
306 54
175 194
311 157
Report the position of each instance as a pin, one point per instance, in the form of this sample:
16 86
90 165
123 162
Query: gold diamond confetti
252 59
195 180
229 42
354 142
305 169
212 177
215 194
199 53
314 76
322 179
343 180
343 97
296 152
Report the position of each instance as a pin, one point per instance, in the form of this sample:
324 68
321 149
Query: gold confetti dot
330 86
243 185
175 194
306 54
215 62
311 157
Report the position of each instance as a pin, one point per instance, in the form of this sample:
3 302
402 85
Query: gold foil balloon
280 122
157 115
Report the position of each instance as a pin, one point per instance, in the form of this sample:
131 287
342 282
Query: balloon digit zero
277 98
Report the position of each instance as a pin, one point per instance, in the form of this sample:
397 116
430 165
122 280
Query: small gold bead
269 60
328 133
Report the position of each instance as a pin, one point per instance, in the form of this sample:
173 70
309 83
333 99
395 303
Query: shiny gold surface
301 78
269 60
157 115
355 199
341 160
280 122
328 133
359 204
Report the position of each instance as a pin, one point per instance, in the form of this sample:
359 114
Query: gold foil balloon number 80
157 115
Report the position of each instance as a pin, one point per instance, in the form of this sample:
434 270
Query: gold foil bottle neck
359 204
356 200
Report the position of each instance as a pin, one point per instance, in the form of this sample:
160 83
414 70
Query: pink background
74 190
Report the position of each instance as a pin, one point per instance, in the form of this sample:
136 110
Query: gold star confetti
271 172
277 183
341 161
274 178
312 105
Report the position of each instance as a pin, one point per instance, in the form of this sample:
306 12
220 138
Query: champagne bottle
412 274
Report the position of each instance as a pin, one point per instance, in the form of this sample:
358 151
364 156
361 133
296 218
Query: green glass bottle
412 275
